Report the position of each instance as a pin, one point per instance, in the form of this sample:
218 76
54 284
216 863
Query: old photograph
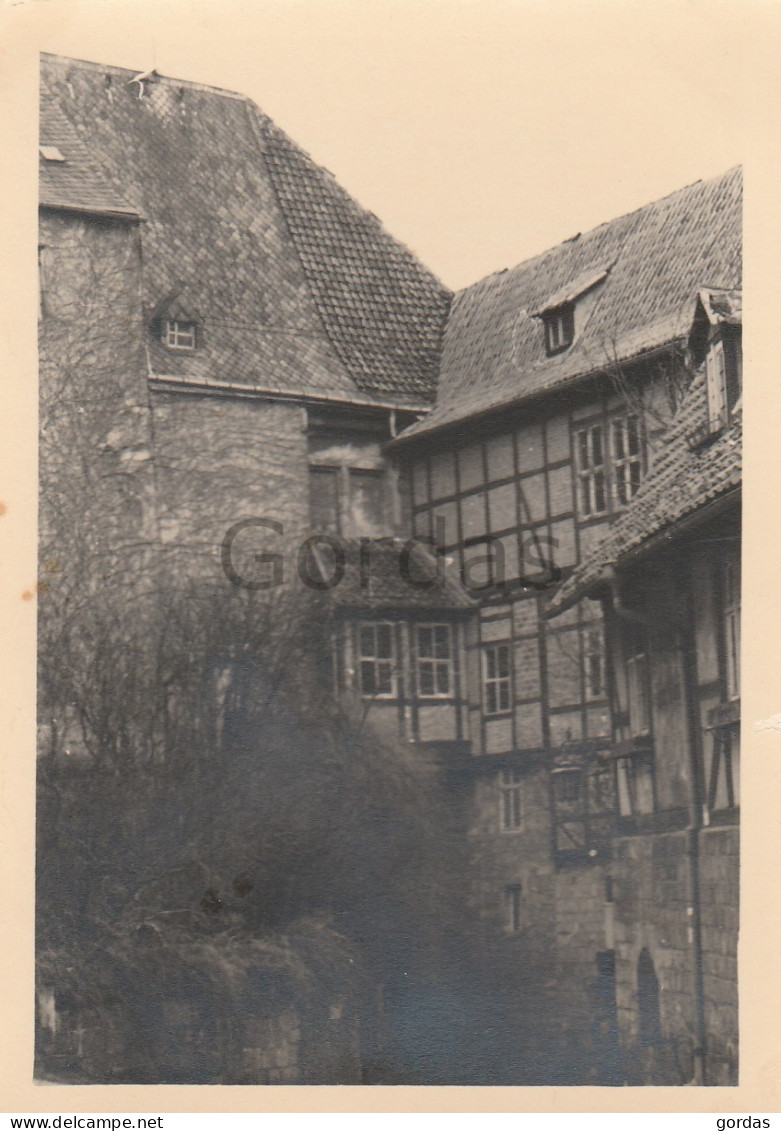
388 621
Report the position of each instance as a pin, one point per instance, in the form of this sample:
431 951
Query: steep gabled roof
302 291
687 476
656 258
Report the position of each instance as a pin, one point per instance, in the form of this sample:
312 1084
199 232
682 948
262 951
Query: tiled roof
388 580
494 348
300 290
384 311
686 477
77 182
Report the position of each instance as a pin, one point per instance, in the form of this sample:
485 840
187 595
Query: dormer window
567 310
178 335
559 328
715 345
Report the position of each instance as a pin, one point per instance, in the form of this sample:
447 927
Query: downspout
694 824
693 836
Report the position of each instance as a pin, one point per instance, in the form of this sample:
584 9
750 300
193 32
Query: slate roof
383 583
301 291
78 182
685 478
656 258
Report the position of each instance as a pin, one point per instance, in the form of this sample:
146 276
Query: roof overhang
602 581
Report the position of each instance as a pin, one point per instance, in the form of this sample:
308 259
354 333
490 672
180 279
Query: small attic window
559 328
51 153
178 335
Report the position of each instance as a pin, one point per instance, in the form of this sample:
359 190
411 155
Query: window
496 678
627 460
509 800
637 690
348 501
179 335
559 328
567 784
598 466
51 153
722 766
367 502
513 908
435 661
324 499
635 784
377 660
591 470
731 608
594 663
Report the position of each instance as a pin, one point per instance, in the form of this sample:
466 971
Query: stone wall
652 901
719 872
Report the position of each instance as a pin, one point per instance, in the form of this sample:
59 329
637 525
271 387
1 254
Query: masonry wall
652 901
97 504
220 461
720 928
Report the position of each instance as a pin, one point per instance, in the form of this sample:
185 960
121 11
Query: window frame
376 660
446 663
635 777
513 908
730 627
638 728
510 780
559 326
588 473
326 473
621 465
171 333
493 684
590 631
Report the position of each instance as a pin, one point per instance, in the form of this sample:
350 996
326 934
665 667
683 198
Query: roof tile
494 348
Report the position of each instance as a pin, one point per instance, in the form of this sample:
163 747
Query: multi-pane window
179 335
513 908
627 458
590 449
731 608
496 678
637 688
594 663
435 660
559 328
377 660
509 800
609 463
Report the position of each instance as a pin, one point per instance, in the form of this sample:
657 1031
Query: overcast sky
480 131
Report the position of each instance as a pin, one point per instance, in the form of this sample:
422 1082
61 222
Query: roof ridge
540 255
92 65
